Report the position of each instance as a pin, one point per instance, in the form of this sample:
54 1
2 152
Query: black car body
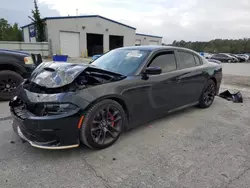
63 104
14 66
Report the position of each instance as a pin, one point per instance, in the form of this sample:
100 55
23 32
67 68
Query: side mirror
153 70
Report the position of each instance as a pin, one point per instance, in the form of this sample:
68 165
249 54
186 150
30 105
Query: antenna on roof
76 12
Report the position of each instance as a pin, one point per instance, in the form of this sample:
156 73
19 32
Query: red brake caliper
112 119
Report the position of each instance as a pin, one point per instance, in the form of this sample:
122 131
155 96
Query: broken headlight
57 109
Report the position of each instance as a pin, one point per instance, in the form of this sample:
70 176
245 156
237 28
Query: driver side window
165 60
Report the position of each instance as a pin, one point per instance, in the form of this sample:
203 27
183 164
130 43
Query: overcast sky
190 20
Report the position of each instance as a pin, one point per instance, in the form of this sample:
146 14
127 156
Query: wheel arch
214 79
117 98
209 78
12 67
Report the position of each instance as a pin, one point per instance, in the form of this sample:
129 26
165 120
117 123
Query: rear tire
208 94
103 124
9 80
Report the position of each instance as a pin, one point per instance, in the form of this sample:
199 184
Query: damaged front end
53 77
46 111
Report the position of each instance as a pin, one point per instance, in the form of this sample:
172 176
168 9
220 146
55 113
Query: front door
165 90
158 93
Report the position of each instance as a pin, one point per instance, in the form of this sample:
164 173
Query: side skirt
183 107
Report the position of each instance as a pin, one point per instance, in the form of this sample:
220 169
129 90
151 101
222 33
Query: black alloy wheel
106 125
9 80
103 124
208 94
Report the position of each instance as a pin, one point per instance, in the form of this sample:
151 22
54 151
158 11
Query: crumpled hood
58 74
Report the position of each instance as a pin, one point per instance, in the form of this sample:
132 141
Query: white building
143 39
87 35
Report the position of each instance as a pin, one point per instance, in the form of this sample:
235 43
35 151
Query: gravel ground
191 148
236 74
240 69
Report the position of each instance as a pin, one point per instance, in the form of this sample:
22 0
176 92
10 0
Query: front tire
103 124
208 94
9 80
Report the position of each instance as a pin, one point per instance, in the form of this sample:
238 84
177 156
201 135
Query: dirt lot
191 148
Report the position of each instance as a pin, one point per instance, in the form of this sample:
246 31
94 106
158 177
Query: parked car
214 61
224 58
62 104
245 56
235 59
14 67
240 59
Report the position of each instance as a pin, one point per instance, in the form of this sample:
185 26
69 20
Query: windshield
122 61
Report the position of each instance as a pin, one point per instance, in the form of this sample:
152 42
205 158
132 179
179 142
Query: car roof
156 47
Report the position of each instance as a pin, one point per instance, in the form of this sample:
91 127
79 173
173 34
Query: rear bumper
48 132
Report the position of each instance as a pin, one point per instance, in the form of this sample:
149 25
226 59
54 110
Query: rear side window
197 60
165 60
186 60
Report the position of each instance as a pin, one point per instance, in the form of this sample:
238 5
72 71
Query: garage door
70 44
153 42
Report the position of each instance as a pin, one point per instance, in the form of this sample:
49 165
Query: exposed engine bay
52 78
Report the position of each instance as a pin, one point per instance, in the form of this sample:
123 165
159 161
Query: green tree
4 26
217 45
39 23
8 32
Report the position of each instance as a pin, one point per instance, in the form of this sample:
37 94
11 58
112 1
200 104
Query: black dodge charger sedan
62 104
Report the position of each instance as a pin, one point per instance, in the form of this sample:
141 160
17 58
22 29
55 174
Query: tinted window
197 60
166 61
122 61
186 60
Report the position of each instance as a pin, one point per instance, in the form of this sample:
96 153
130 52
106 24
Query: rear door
192 77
